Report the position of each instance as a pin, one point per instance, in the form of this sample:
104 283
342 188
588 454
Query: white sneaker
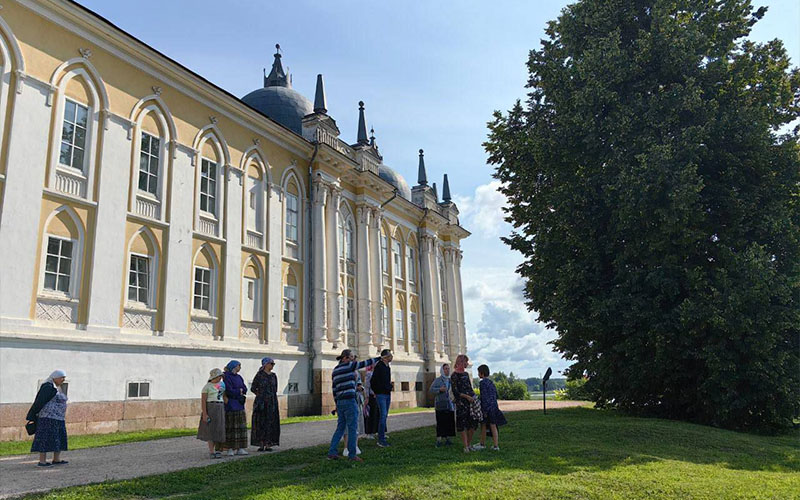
346 452
241 451
229 452
358 450
478 447
495 448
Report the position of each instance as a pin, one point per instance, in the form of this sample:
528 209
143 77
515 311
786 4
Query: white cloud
483 212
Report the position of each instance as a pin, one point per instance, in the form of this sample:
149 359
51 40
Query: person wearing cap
344 393
381 385
212 419
266 422
235 416
47 413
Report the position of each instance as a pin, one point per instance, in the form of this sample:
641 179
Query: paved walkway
19 474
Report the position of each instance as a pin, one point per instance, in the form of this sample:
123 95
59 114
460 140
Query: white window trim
212 292
257 299
152 284
284 300
215 215
286 239
74 272
93 127
139 381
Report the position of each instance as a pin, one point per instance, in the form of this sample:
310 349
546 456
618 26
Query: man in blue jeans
381 385
344 392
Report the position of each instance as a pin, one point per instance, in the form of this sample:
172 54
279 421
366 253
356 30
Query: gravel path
19 474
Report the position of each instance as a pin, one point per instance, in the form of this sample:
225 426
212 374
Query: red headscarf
461 363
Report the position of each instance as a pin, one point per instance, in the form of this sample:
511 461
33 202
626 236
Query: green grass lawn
95 440
568 453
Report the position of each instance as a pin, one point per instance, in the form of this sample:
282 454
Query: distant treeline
535 384
512 387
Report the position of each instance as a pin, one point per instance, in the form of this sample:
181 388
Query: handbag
475 411
30 428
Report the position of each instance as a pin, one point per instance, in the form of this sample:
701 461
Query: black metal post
544 388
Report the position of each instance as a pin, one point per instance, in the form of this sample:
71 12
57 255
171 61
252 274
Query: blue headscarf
267 360
231 365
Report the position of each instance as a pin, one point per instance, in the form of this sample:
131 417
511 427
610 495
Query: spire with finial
422 177
277 77
435 193
446 191
320 101
362 125
372 137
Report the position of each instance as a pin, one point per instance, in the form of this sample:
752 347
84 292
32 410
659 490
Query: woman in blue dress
492 416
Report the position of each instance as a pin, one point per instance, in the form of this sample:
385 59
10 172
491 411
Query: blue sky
430 73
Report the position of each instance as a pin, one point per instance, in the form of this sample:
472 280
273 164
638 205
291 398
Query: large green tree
653 181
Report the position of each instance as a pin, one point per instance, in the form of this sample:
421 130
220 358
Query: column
363 285
232 254
107 273
178 255
428 299
27 131
376 281
452 305
317 258
335 330
274 235
460 298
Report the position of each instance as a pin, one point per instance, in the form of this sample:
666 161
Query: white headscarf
441 371
56 374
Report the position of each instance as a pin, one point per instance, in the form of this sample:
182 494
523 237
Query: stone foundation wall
126 416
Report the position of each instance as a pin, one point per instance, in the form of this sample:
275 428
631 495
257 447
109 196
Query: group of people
362 408
223 421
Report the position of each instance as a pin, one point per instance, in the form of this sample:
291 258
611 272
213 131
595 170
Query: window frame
159 165
139 384
150 261
211 289
216 198
289 306
72 293
86 136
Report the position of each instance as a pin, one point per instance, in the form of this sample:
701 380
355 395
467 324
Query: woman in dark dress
464 396
235 416
266 422
371 411
48 412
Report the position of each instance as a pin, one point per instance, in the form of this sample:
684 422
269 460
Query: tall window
58 264
385 320
139 279
346 246
148 164
208 186
413 326
292 217
399 324
398 259
384 253
411 268
289 304
445 335
202 289
351 315
73 134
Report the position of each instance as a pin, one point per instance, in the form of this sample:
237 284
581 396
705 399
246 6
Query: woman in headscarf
212 413
266 422
47 413
235 417
371 412
464 396
445 409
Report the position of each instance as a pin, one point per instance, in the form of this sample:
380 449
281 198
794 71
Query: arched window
385 315
292 216
204 298
413 325
209 181
400 320
397 258
347 272
255 183
80 99
60 267
142 270
153 130
411 264
384 252
290 298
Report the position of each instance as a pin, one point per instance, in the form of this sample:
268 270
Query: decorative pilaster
320 192
335 327
376 275
458 255
453 349
274 234
363 288
232 256
428 293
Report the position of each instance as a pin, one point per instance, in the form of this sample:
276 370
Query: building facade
154 226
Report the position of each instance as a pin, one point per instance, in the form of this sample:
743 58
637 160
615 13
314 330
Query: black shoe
44 464
61 462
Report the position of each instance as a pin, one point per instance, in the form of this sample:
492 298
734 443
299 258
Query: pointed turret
446 191
422 177
362 125
320 101
435 193
277 77
372 138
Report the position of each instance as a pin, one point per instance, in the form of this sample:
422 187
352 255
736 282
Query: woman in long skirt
235 417
445 409
212 418
464 397
371 410
48 413
266 423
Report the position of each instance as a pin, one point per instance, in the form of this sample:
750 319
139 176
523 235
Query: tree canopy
653 182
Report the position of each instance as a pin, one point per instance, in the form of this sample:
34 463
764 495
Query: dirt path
19 474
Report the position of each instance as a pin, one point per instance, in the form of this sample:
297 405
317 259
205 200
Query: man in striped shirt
344 392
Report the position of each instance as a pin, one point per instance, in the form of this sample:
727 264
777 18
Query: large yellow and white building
154 226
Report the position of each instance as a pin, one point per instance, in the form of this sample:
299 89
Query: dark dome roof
283 104
395 180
